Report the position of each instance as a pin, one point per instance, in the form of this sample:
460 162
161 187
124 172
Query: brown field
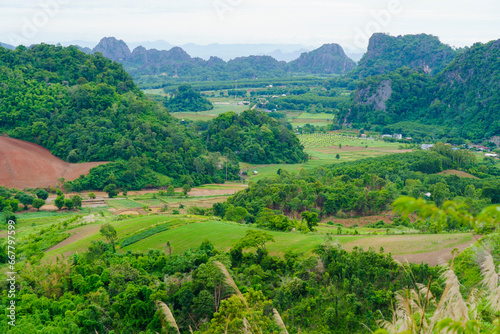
432 249
458 173
78 233
27 165
361 221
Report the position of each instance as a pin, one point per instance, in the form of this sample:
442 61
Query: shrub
77 201
42 194
69 204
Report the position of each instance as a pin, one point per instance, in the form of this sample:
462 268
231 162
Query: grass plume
452 305
490 282
279 321
167 315
229 280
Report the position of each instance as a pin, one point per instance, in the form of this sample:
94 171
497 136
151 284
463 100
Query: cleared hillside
27 165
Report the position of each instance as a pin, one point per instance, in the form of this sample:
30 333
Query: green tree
170 190
236 214
77 201
110 234
311 219
42 194
219 210
440 193
26 200
38 203
68 203
92 195
186 188
59 202
255 239
111 190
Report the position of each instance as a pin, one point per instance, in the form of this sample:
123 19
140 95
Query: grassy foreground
187 232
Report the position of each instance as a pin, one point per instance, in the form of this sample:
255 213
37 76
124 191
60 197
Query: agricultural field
324 148
185 232
319 119
219 108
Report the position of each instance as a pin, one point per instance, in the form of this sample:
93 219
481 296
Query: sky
309 23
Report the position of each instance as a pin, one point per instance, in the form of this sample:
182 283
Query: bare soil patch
458 173
27 165
436 257
78 233
362 221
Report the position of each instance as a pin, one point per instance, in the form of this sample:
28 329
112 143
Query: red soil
27 165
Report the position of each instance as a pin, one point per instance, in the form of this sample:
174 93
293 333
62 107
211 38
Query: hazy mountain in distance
280 52
178 62
80 43
285 56
7 46
158 45
231 51
329 58
113 49
355 55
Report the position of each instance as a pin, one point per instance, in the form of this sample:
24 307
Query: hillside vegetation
463 97
387 53
254 137
87 108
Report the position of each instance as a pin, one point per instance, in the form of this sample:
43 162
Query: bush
38 203
77 201
69 204
175 212
111 190
42 194
170 191
194 210
59 202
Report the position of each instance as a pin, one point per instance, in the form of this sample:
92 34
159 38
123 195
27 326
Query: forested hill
387 53
329 59
255 138
465 96
87 108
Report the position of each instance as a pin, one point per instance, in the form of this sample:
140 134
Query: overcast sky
310 23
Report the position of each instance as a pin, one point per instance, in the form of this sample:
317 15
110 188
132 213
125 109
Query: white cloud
459 22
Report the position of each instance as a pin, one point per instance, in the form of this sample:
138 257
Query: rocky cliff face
113 49
328 59
376 97
387 53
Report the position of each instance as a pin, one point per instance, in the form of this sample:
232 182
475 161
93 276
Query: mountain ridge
176 62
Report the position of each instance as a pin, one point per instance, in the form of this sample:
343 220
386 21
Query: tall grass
453 314
168 317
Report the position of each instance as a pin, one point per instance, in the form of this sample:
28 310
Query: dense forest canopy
186 99
254 137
